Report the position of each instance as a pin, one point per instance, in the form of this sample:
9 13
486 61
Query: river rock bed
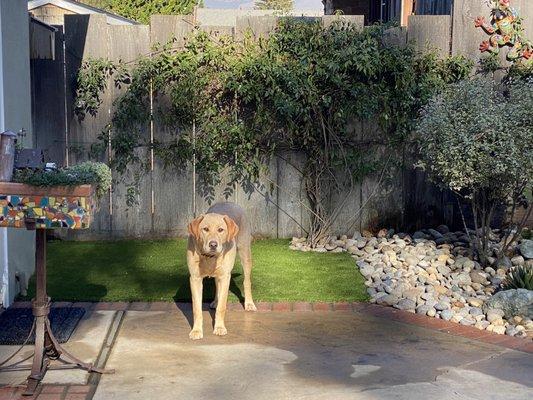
431 272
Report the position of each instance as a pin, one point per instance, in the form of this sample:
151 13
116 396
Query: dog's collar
208 255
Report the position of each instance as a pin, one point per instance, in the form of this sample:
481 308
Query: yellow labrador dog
214 239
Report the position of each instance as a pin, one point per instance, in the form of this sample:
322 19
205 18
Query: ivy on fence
247 100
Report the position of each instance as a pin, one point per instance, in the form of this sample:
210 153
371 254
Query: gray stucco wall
16 67
16 116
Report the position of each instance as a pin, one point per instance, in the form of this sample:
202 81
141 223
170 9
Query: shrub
89 172
475 138
142 10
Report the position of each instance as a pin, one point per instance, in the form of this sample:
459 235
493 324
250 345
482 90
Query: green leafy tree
309 83
283 5
141 10
476 140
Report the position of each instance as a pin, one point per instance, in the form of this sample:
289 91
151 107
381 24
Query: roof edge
79 8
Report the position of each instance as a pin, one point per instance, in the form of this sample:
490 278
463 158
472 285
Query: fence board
166 27
261 204
86 36
292 217
350 215
258 26
430 32
218 31
172 201
173 194
136 220
466 37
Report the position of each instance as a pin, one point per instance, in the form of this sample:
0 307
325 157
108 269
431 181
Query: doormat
15 324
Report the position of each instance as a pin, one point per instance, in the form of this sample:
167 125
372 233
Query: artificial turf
135 270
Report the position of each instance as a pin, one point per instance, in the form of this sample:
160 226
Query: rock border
432 273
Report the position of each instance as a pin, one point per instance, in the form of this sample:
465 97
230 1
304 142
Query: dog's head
212 231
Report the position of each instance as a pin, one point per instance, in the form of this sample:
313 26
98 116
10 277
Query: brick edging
521 344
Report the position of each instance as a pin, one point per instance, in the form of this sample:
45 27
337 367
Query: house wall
348 7
407 10
392 9
50 14
434 7
16 245
53 14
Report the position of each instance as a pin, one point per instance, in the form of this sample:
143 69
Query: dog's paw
213 305
220 331
196 334
250 306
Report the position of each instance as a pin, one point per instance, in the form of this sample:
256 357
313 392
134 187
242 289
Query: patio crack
107 346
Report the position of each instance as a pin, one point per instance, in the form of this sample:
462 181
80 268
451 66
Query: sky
298 4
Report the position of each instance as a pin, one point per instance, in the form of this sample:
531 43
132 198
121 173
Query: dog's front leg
196 292
222 284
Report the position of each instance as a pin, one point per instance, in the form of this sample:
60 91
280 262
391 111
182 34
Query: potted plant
63 198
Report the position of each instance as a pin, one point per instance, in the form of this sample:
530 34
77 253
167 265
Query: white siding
15 115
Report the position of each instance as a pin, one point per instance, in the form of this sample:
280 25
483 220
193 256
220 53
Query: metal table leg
47 347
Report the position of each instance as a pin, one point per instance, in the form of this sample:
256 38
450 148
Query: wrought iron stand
47 347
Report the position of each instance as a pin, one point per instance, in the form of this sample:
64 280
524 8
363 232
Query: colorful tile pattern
72 212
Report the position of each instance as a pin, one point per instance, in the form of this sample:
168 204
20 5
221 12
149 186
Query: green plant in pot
86 173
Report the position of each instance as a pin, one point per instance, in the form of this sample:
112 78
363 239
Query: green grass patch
134 270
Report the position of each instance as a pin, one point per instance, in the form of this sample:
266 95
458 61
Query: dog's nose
213 244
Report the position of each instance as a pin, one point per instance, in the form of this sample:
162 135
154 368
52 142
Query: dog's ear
194 227
233 229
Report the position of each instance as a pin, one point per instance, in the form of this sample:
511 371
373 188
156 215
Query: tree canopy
283 5
141 10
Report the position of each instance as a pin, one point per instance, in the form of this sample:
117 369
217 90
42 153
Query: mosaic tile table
39 209
54 207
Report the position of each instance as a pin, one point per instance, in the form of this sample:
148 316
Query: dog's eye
206 229
220 230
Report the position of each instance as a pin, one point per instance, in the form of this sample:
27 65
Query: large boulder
513 302
526 248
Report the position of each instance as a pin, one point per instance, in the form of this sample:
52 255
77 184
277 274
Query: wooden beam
407 10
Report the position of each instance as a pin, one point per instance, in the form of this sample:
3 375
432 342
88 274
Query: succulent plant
520 277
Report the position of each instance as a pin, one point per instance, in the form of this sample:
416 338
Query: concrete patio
360 353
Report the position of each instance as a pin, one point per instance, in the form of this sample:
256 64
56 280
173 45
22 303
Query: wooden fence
166 201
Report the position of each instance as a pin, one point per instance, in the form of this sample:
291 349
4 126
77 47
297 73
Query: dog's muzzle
211 250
